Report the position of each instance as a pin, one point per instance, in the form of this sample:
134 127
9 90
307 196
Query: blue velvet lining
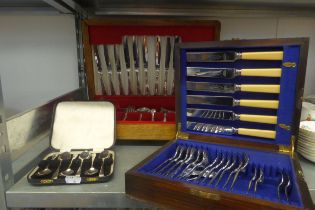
286 97
272 164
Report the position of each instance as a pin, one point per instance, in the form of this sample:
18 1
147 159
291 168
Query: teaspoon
69 171
92 170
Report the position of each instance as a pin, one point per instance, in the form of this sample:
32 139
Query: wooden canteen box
238 110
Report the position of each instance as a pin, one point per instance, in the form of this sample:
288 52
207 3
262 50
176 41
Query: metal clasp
284 126
289 64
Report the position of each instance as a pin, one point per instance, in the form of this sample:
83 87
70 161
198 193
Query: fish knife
230 73
229 101
230 115
229 130
231 88
231 56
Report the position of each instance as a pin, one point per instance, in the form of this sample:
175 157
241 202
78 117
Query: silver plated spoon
92 170
69 171
44 172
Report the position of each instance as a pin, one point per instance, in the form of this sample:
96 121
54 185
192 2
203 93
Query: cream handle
260 88
269 134
272 55
271 72
269 104
258 118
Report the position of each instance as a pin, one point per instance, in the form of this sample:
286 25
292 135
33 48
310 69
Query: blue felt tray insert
286 97
271 163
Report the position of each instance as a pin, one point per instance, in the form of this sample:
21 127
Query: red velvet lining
152 102
156 102
113 34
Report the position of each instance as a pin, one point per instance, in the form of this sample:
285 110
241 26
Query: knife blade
231 88
130 45
229 101
230 73
104 67
229 130
231 56
230 115
97 73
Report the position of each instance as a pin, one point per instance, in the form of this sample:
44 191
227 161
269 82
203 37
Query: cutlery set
224 170
141 65
82 135
238 113
75 164
131 113
204 90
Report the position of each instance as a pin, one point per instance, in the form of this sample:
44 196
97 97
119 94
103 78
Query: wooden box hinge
288 149
182 135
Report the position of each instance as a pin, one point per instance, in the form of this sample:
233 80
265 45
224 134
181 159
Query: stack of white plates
306 143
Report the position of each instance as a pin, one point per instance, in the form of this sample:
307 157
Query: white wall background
37 59
38 53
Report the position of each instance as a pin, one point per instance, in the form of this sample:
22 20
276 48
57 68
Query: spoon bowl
91 171
44 172
67 172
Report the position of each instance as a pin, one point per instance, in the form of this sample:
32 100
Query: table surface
103 195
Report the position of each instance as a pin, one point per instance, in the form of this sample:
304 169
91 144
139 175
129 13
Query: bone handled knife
230 56
231 88
228 130
230 115
230 73
229 101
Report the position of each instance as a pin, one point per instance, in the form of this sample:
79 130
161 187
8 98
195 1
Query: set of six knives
213 91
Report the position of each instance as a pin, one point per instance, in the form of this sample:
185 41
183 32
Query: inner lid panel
83 125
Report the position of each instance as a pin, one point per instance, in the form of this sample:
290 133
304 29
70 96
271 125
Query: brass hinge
285 149
182 135
288 149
